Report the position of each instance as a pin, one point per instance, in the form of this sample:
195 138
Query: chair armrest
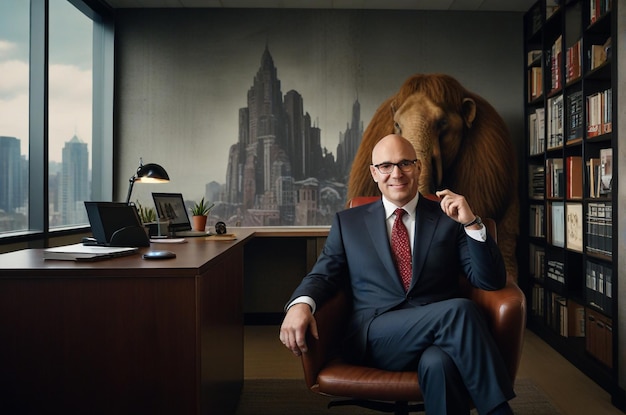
331 318
505 310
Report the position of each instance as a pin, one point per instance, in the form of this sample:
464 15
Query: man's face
399 186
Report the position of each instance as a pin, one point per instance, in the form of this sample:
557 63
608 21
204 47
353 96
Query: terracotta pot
199 223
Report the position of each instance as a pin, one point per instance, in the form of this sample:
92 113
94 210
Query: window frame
38 233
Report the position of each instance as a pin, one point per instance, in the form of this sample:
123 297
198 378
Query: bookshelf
568 265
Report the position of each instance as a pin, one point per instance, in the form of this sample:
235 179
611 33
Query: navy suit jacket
357 257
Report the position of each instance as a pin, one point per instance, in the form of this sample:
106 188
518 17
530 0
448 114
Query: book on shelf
606 171
599 337
599 229
536 221
80 252
599 113
552 6
575 123
535 83
607 111
597 56
593 174
536 188
573 62
533 56
536 265
536 132
557 223
556 271
574 226
537 307
574 178
555 177
555 121
597 9
556 55
576 319
599 286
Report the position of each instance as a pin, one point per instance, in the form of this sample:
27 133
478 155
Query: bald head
400 184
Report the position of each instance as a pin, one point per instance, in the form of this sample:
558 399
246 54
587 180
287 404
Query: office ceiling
458 5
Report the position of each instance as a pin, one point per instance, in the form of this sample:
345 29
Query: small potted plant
149 220
199 214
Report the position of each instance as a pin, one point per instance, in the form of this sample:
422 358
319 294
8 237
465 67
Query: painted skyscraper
278 173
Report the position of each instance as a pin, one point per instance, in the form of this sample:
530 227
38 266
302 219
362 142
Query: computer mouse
159 255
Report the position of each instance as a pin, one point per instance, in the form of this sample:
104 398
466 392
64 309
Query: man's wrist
477 221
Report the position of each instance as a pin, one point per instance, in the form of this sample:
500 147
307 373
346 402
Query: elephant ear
468 109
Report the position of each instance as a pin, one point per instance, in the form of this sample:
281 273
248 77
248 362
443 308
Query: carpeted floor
290 396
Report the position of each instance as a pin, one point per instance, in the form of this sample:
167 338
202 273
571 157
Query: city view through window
69 109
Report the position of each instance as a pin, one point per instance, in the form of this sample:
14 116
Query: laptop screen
106 218
171 206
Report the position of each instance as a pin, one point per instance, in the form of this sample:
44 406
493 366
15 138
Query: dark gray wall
182 75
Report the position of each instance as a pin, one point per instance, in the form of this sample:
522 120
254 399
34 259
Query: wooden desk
126 335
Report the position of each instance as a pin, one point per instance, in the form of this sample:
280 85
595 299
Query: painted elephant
463 144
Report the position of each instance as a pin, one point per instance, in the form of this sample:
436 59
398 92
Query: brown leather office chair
326 373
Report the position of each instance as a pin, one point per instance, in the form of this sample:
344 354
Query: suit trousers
449 345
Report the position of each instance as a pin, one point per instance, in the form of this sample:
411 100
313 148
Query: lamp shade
147 173
151 173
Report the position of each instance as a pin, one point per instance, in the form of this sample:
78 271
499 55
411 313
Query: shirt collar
390 208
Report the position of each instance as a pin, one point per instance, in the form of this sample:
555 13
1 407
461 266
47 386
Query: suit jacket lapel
426 218
375 223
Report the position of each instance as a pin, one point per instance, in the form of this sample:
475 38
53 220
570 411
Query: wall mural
278 172
274 103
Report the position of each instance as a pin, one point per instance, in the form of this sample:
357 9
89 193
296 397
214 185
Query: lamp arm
131 182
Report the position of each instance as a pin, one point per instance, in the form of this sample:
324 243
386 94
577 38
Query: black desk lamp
147 173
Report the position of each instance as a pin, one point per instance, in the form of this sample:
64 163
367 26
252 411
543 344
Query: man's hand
456 207
298 320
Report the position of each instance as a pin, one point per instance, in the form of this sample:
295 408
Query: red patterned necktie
401 248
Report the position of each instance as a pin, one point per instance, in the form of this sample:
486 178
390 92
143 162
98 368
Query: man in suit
421 323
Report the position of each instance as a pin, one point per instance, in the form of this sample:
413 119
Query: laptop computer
115 224
171 207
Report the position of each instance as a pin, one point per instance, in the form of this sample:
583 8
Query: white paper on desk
168 240
80 252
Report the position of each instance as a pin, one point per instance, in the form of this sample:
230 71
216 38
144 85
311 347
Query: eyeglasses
405 166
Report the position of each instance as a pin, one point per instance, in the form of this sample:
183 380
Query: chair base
397 408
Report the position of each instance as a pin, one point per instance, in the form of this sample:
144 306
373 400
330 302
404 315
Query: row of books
537 265
567 317
566 225
600 174
573 62
599 229
599 286
599 120
599 337
555 178
553 61
536 181
535 223
536 307
555 121
597 9
556 271
575 122
599 113
537 131
560 178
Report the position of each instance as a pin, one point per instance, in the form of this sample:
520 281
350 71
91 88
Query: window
56 60
14 101
69 114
